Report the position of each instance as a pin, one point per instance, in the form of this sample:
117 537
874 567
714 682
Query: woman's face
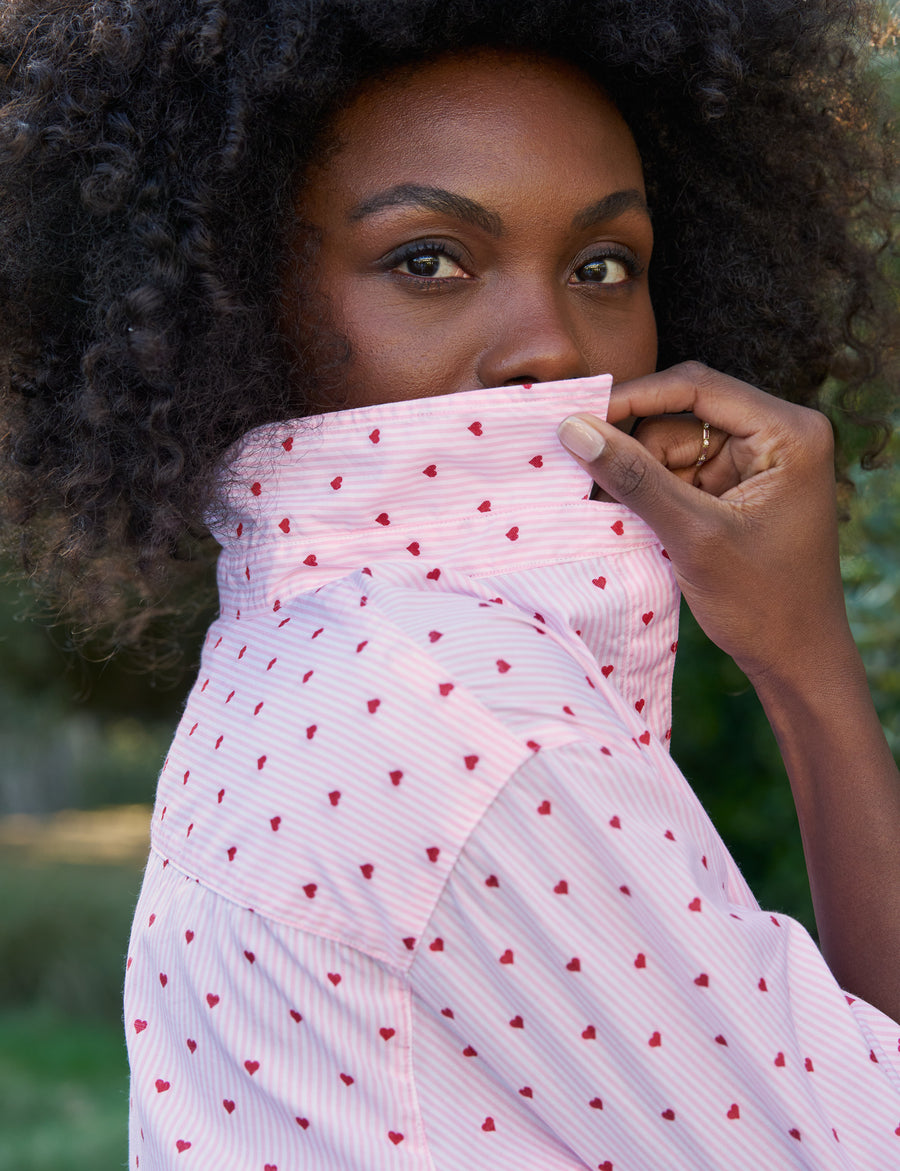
482 222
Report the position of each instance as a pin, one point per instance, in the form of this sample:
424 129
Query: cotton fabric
426 890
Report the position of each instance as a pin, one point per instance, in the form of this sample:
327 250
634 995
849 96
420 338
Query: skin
518 276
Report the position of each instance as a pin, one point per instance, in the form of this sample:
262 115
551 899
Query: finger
690 449
632 476
725 402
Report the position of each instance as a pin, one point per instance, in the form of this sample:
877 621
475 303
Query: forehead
494 117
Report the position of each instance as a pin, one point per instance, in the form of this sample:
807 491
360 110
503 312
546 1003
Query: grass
63 1092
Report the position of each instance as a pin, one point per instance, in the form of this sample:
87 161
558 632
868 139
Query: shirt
426 889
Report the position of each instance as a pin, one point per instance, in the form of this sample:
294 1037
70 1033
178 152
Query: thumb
632 476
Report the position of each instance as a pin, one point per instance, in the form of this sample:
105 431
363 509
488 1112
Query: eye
426 261
611 269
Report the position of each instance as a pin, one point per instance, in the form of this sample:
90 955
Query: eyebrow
434 199
472 212
609 207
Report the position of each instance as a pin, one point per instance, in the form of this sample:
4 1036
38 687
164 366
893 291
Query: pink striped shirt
426 890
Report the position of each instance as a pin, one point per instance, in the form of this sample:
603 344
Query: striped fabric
426 890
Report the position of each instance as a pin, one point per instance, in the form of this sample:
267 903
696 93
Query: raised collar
475 481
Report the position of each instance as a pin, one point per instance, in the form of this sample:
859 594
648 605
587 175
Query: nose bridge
533 336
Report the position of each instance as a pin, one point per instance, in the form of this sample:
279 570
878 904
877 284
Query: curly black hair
150 154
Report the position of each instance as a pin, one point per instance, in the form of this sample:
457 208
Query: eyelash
393 260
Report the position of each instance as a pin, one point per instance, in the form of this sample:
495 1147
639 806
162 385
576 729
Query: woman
426 887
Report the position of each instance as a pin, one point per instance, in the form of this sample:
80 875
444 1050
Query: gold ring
704 446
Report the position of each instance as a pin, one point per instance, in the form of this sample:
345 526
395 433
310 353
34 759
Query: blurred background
81 743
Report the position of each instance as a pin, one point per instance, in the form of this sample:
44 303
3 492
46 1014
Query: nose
531 338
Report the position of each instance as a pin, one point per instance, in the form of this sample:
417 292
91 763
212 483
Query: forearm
847 792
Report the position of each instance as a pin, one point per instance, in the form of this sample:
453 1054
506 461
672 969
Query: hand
755 550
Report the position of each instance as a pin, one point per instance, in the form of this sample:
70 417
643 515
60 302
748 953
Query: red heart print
614 822
544 808
302 1122
605 1166
414 548
517 1023
430 471
192 1044
513 533
261 762
256 488
433 853
274 822
705 863
445 688
334 796
568 710
228 1104
599 582
470 1052
434 635
644 737
161 1086
502 666
561 888
779 1059
447 1012
375 435
488 1124
258 708
507 957
367 869
655 1041
647 618
526 1092
596 1103
618 528
336 482
285 525
668 834
395 1136
373 705
533 745
702 981
436 944
734 1111
295 1016
694 905
163 979
182 1145
484 506
288 443
347 1079
249 957
310 890
387 1033
409 942
809 1065
396 776
590 1033
872 1056
762 985
311 731
669 1115
574 964
433 574
139 1026
625 890
492 880
537 461
720 1040
607 670
794 1133
310 560
335 978
640 960
475 428
639 706
219 796
270 1167
382 519
251 1067
470 762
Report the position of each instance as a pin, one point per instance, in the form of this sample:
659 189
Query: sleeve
600 989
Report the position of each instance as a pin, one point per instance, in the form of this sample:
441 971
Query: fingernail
581 438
